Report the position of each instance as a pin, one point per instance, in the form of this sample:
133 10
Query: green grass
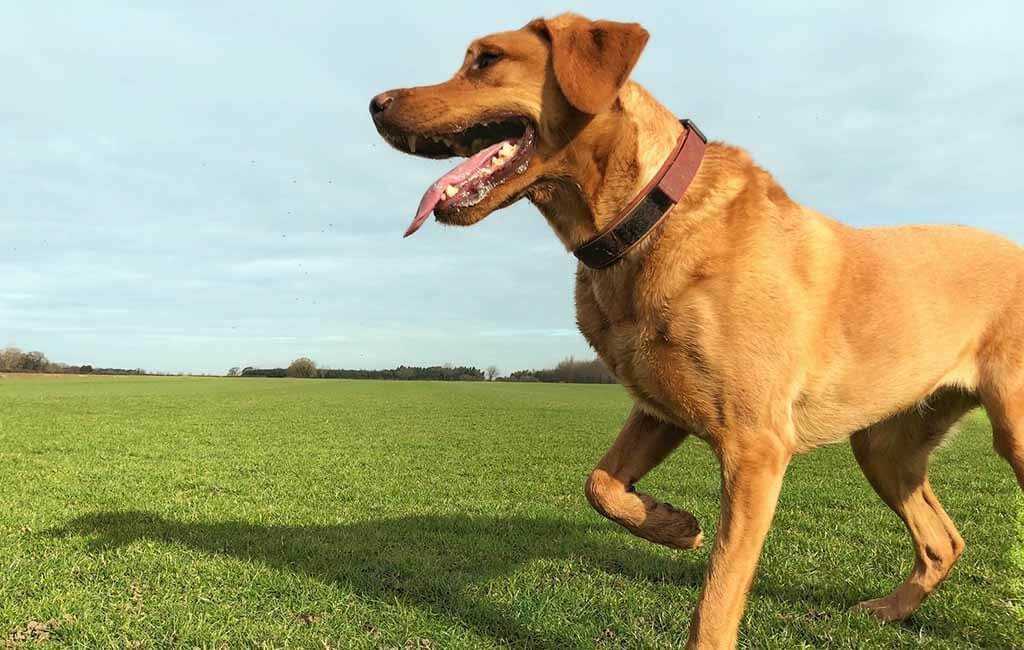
180 512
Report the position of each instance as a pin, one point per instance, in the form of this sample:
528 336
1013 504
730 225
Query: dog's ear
592 59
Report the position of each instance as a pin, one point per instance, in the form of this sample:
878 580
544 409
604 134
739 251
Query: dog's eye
485 59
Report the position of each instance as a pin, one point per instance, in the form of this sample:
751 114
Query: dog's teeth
451 191
507 150
412 143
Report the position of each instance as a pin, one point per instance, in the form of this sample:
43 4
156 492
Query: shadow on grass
434 562
430 562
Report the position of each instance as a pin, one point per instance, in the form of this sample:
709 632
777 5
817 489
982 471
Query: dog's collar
652 204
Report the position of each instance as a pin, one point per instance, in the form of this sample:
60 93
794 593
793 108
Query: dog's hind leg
1006 412
894 457
643 443
1009 442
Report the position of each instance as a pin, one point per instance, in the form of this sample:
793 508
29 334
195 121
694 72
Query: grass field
177 512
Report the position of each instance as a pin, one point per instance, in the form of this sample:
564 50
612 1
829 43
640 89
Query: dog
734 314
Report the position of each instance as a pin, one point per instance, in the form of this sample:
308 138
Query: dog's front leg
643 443
752 471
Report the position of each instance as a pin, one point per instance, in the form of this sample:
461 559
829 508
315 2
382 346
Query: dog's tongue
433 195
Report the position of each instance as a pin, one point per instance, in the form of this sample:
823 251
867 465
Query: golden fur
759 325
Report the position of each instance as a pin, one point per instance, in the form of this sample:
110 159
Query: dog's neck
609 163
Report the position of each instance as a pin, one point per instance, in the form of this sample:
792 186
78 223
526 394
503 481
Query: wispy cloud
529 333
279 266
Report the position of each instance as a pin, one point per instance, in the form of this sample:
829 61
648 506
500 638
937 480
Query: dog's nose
380 103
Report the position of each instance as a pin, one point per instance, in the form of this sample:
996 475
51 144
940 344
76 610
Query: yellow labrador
726 309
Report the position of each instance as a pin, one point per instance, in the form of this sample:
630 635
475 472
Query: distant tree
85 370
234 372
492 372
33 362
10 358
302 367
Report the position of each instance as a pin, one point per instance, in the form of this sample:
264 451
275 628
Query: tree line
569 370
15 360
305 367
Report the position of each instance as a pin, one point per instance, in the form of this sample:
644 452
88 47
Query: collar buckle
688 123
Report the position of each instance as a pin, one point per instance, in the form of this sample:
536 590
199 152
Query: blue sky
197 185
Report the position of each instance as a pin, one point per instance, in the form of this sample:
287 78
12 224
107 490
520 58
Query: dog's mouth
496 150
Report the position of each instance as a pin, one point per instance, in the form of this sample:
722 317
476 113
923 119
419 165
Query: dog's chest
658 350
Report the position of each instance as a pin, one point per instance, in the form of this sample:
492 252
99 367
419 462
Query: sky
191 186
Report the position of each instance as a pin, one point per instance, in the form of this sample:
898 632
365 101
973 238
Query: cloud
529 333
279 266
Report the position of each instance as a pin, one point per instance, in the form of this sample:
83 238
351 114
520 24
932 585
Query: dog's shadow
430 562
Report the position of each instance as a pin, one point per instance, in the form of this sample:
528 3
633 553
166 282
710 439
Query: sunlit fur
759 325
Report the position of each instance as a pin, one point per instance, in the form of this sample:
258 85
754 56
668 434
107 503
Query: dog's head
513 108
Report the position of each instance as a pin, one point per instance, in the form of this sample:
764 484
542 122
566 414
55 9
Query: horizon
199 187
103 369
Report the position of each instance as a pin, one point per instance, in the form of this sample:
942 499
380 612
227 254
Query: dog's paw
670 526
889 609
687 543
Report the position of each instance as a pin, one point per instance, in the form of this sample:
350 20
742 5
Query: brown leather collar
652 204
